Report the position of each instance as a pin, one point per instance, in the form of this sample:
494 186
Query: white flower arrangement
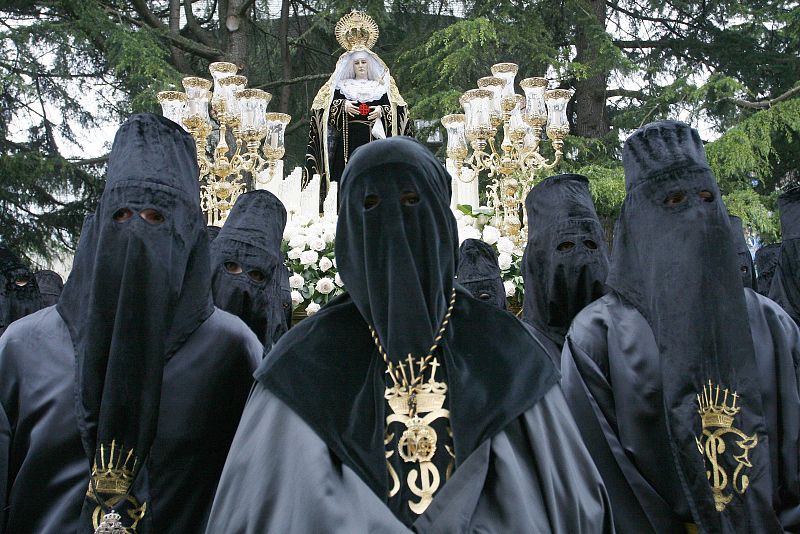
314 280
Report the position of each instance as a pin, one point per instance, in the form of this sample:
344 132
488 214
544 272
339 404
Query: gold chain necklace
416 404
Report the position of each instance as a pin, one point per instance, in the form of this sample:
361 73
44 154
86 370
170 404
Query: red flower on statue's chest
363 109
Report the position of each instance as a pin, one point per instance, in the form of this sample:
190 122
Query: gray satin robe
611 377
206 383
534 476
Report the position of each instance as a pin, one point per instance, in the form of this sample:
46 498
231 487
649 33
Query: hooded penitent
566 260
785 288
767 258
50 286
19 294
140 285
745 262
396 249
213 232
675 261
244 261
479 272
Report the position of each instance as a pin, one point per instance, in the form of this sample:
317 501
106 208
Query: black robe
205 386
611 377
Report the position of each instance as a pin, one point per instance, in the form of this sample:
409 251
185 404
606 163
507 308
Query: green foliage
755 212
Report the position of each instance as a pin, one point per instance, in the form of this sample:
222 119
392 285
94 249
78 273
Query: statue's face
361 69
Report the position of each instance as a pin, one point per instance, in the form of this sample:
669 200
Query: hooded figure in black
125 395
318 446
743 253
683 384
245 259
19 294
479 273
213 232
50 287
566 260
767 258
785 288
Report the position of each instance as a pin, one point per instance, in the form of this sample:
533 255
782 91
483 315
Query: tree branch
292 81
141 7
203 35
89 161
765 104
243 8
628 93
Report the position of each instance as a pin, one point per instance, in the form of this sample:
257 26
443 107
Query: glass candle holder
173 105
557 121
274 148
456 138
535 107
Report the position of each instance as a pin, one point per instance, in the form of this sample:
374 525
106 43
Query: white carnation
297 298
510 288
491 234
317 243
296 281
309 257
504 261
325 264
294 254
504 244
325 285
312 308
338 280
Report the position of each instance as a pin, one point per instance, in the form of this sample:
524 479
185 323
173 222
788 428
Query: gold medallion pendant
110 485
717 418
416 408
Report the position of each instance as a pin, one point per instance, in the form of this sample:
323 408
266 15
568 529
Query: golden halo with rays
356 30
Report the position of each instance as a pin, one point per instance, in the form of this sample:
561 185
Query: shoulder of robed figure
232 332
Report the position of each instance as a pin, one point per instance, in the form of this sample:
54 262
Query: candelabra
239 116
512 167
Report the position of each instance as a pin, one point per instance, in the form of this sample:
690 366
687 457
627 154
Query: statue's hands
376 113
350 108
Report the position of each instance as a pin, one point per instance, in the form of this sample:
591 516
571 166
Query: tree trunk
286 59
590 94
236 24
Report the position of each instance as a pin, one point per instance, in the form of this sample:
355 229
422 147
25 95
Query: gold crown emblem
714 413
114 474
356 30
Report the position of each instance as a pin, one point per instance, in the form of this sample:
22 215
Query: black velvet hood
250 239
766 260
743 253
565 263
675 261
396 249
19 293
479 272
213 232
50 286
785 288
138 288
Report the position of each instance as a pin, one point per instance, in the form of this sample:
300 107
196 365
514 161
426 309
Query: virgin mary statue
360 102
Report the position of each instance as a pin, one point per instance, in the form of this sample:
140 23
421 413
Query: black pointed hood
565 263
396 249
19 293
785 288
675 261
244 262
140 285
479 272
743 253
766 261
50 286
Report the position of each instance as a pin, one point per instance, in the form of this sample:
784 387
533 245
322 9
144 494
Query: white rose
504 261
458 214
329 237
298 240
468 232
504 244
325 285
294 254
338 280
297 298
468 220
510 288
325 264
491 234
334 262
289 231
309 257
312 308
316 243
296 281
